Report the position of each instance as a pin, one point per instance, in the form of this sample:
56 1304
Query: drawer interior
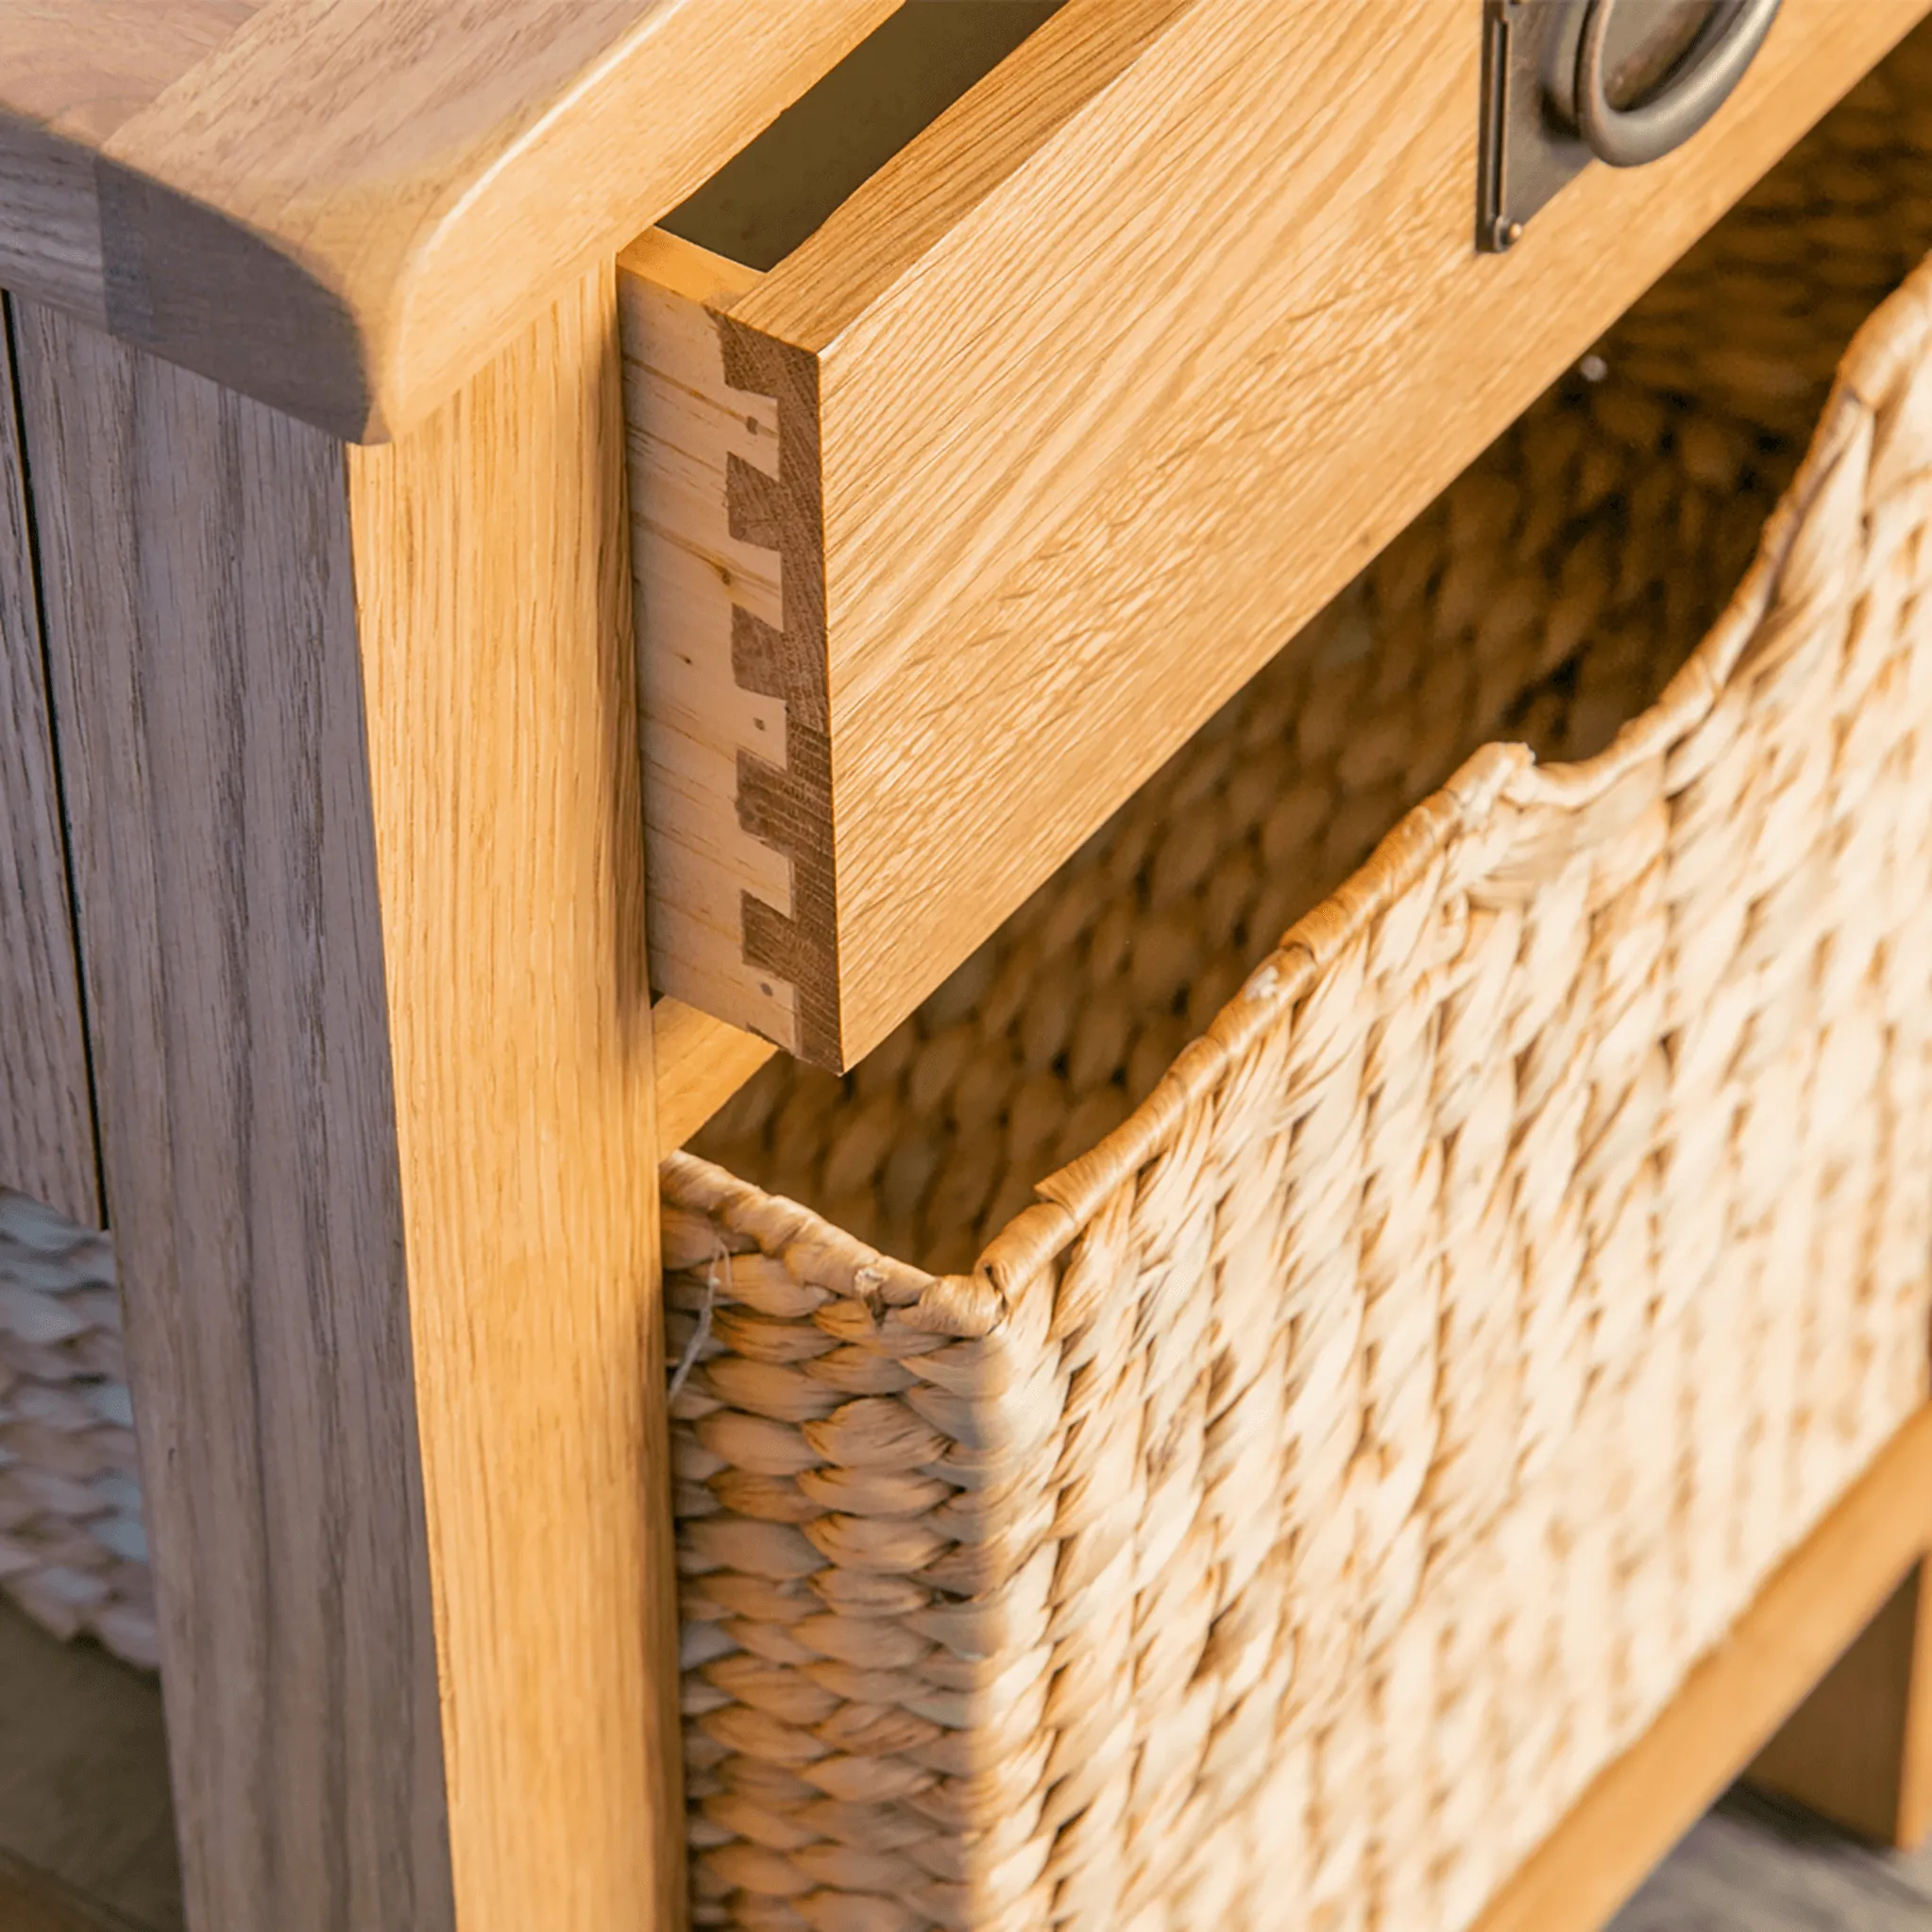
1545 596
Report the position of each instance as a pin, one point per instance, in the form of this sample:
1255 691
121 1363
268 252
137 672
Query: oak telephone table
325 881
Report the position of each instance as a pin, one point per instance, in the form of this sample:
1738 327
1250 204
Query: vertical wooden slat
46 1119
509 833
1858 1749
353 781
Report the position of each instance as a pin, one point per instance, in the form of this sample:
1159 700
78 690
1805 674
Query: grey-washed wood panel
201 642
46 1118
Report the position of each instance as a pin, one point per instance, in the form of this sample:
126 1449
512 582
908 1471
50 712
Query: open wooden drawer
954 523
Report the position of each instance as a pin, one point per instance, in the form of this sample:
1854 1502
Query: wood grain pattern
770 195
360 864
685 429
501 690
70 75
1121 370
727 551
701 1064
50 230
1818 1599
46 1114
352 203
81 70
1858 1749
201 621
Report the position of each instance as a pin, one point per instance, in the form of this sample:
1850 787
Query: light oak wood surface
1858 1749
345 207
47 1115
1083 404
353 780
1804 1618
501 703
694 571
701 1064
80 70
771 194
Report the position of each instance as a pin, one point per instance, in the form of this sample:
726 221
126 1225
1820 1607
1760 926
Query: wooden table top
345 206
82 71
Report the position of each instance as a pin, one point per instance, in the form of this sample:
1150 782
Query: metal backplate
1530 143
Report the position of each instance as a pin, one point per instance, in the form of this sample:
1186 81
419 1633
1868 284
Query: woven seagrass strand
73 1552
1427 1337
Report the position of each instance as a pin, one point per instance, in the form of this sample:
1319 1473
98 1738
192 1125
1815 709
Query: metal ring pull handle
1715 63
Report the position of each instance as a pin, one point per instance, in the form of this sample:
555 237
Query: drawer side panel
727 545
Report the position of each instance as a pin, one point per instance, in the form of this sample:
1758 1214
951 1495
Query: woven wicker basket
1399 1385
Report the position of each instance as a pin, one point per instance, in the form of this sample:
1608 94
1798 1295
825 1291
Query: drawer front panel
985 497
46 1118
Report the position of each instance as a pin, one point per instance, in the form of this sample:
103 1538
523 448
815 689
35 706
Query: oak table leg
350 748
1858 1749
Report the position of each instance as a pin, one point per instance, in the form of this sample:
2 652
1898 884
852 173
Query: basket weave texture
1354 1444
73 1552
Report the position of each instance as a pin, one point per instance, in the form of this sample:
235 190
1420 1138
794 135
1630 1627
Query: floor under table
83 1790
1757 1864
